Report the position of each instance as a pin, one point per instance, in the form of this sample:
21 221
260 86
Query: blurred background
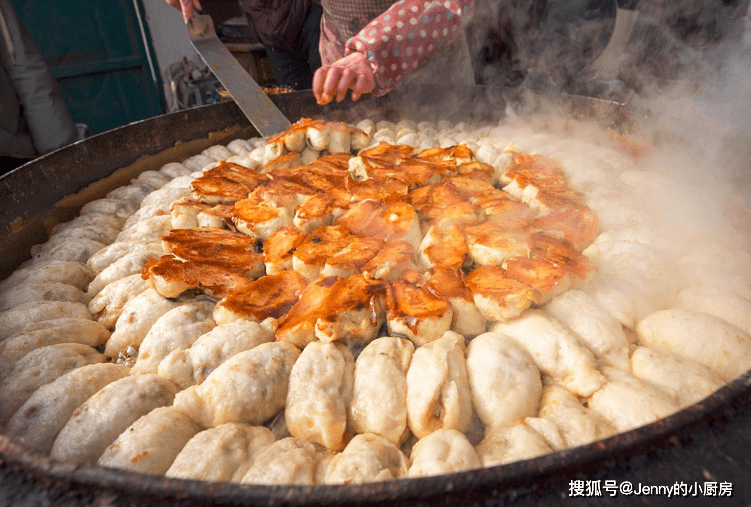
120 61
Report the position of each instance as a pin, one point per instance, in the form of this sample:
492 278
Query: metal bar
251 99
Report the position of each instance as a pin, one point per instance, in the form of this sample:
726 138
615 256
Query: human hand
188 7
351 72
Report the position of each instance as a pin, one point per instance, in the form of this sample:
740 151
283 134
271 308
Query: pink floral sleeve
407 35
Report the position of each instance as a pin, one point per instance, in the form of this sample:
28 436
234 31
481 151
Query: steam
711 121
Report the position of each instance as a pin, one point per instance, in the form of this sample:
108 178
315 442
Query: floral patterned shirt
396 37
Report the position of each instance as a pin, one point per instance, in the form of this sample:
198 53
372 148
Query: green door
100 53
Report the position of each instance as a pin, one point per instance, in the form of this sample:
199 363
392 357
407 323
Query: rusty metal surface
709 441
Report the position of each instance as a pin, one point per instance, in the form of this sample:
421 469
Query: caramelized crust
280 246
510 296
390 261
444 202
578 224
269 296
544 174
291 159
381 203
171 276
188 211
317 210
470 187
492 242
358 252
372 189
387 154
227 182
439 194
298 325
260 218
447 282
502 208
455 154
212 245
476 170
447 247
354 293
282 192
535 170
561 253
322 244
392 218
410 301
545 277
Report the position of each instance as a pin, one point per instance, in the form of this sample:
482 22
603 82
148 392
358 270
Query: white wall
168 34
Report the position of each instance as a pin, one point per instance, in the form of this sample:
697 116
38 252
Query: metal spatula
254 103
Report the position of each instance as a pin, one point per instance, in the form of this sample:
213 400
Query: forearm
407 35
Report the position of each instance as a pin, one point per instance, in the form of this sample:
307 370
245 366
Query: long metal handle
252 100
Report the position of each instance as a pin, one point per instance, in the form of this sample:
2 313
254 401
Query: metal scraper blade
252 100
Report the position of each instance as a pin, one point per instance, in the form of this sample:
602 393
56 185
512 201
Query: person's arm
397 42
44 108
188 7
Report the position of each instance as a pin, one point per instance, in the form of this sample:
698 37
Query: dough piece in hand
221 454
577 424
504 381
690 380
379 399
438 394
442 452
320 390
505 444
251 387
367 458
628 402
16 318
38 368
600 332
708 340
176 329
556 351
287 461
136 319
187 367
101 418
151 443
37 423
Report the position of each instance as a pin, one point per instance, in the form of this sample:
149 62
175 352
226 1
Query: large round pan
702 452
